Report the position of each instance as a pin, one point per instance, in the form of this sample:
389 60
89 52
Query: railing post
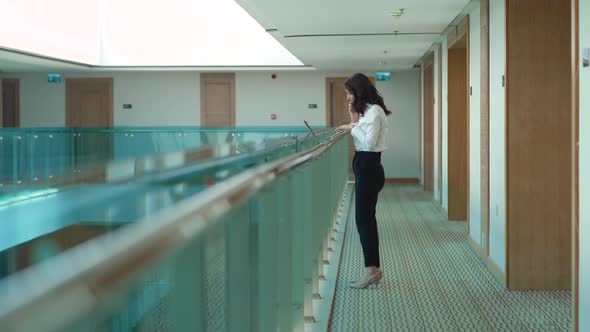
309 252
266 278
284 252
189 293
238 265
297 247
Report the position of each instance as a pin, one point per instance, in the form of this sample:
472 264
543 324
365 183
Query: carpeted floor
433 281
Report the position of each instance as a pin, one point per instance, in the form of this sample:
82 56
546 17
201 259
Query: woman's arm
369 135
354 118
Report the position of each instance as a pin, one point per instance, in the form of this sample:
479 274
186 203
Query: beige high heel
364 283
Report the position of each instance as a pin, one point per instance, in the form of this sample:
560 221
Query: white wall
475 126
173 99
497 135
158 99
41 104
436 121
288 96
584 168
445 123
400 94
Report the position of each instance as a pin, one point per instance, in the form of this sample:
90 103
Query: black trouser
369 180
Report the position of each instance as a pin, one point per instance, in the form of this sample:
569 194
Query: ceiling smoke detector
397 13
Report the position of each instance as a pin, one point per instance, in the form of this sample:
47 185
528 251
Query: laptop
312 132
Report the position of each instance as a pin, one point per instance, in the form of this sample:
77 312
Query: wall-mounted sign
586 57
54 78
383 76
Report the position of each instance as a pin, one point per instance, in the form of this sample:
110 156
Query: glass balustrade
29 154
244 260
41 219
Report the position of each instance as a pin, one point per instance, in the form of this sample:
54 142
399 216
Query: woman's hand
354 116
346 127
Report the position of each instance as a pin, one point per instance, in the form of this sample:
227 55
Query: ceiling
136 33
369 38
298 24
14 61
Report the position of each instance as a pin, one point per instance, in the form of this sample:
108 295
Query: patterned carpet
433 281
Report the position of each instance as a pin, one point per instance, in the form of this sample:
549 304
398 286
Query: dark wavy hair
364 93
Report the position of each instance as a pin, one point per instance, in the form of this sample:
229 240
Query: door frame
69 108
15 81
439 127
575 36
428 65
485 123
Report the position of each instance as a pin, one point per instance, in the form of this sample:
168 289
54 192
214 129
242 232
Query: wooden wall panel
538 147
485 126
458 133
429 128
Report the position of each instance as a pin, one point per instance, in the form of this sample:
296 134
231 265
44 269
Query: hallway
433 280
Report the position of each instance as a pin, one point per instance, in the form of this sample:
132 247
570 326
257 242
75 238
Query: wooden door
218 100
539 153
429 127
10 103
458 132
89 102
337 112
337 109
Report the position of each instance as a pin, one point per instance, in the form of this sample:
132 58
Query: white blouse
369 133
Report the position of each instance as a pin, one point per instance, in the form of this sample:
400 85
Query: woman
368 128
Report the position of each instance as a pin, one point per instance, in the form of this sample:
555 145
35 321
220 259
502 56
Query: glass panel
29 154
247 272
40 221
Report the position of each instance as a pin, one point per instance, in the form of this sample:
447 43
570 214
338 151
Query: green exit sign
54 78
383 76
